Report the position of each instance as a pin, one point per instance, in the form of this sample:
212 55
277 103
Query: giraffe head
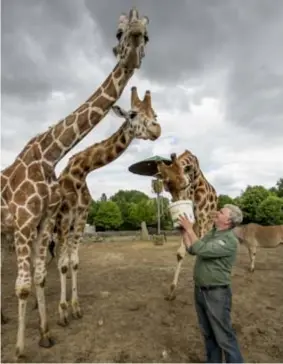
179 175
132 37
141 118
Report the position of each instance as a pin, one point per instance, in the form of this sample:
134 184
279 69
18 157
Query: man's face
222 217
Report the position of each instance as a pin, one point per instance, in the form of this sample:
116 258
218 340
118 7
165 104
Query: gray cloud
191 39
185 37
230 50
39 43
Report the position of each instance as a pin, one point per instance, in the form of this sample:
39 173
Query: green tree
92 212
270 211
166 221
278 189
250 201
145 210
237 201
129 196
103 197
223 200
108 215
125 199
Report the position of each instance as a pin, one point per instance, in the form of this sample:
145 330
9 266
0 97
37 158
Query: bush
270 211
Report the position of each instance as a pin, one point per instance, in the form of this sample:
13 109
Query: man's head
228 217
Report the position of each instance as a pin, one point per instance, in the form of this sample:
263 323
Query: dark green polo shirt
215 255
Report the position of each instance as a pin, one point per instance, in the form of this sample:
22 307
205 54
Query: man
215 256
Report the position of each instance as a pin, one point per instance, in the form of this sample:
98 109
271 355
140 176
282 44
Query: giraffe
140 123
6 248
184 179
30 193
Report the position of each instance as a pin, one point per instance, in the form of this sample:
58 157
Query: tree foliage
251 199
270 211
108 215
278 189
126 200
223 200
129 196
144 210
92 212
126 209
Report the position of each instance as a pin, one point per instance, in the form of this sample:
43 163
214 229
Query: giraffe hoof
46 342
20 358
4 320
170 297
63 322
77 315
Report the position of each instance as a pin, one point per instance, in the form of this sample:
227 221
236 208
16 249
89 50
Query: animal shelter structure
148 167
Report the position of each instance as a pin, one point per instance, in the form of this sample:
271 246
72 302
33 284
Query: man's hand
188 230
185 223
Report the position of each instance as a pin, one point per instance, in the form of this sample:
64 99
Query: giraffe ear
123 18
119 111
173 157
144 20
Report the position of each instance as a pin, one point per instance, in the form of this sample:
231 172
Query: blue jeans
213 309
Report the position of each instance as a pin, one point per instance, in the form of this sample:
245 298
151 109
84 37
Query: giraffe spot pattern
53 152
68 136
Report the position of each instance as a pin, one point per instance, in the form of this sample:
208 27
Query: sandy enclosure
126 319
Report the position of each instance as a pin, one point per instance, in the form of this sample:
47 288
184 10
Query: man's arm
214 248
211 248
187 241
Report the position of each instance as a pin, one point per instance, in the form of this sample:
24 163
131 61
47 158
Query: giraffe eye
132 114
187 169
146 38
119 34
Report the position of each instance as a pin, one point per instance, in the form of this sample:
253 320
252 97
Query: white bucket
180 208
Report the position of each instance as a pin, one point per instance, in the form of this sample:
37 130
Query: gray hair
236 214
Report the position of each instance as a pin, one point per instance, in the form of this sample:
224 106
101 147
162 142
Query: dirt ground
126 319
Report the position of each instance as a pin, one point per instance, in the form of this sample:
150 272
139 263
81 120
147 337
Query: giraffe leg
23 242
76 310
4 319
180 256
252 255
63 264
40 273
76 241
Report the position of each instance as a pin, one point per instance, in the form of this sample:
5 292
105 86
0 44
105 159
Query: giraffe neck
198 185
100 154
59 139
198 179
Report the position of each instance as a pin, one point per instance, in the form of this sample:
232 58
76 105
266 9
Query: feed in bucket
181 207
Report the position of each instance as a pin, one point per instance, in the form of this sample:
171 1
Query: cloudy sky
214 68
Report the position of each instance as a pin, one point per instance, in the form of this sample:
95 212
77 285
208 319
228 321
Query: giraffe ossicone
30 192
